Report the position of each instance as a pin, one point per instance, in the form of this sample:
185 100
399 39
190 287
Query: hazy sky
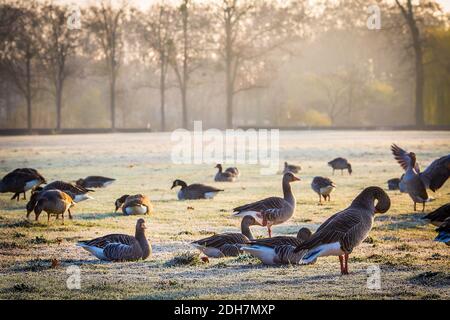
144 3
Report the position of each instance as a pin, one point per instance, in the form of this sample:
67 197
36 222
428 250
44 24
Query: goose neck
287 192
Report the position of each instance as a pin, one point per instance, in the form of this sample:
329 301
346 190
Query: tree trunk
58 107
28 93
185 65
162 93
112 95
228 70
419 114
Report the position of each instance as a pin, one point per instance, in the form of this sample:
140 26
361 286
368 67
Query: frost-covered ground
412 265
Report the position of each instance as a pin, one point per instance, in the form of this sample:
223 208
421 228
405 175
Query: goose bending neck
246 222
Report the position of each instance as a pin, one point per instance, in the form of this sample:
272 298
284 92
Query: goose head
349 168
120 201
140 225
178 183
290 177
218 166
304 234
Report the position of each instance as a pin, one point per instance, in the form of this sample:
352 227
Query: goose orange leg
341 261
415 208
345 263
423 206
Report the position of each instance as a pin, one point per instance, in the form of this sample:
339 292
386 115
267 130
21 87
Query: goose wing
277 241
218 240
118 251
101 242
271 203
436 173
199 190
349 227
403 158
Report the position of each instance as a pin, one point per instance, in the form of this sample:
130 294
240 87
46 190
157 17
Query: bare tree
107 22
250 31
425 12
59 43
19 51
156 28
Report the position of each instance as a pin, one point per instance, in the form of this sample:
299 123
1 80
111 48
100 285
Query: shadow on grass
400 222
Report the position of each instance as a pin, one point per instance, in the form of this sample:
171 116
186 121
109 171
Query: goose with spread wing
278 250
416 183
273 210
120 247
345 230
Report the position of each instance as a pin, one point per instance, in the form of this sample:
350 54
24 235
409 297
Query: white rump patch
136 210
266 254
30 184
82 197
329 249
254 214
96 251
209 251
210 195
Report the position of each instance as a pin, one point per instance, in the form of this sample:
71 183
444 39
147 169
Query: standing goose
77 193
120 247
416 183
291 168
438 216
134 205
341 164
225 176
323 187
21 180
345 230
53 202
274 210
278 250
444 232
94 182
194 191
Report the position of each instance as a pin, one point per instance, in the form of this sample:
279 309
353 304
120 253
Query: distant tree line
231 62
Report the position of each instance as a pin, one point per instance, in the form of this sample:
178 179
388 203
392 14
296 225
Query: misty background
229 63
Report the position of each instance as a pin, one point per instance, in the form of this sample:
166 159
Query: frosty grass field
34 257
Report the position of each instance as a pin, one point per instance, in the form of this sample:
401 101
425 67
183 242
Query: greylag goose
416 183
53 202
224 176
274 210
120 247
194 191
340 164
438 216
323 187
221 245
278 250
21 180
77 193
444 232
393 184
345 230
94 182
134 205
233 170
291 168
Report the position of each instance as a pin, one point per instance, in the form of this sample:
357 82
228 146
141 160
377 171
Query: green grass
412 265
